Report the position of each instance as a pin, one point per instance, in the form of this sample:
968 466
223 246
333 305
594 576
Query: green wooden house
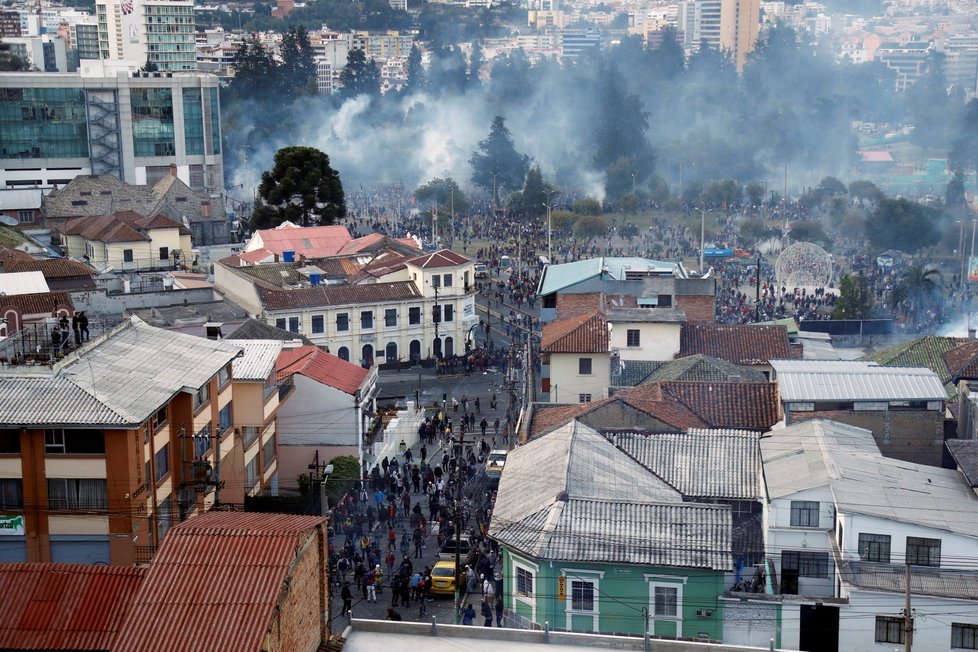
593 541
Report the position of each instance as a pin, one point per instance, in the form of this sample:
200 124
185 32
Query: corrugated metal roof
923 580
700 463
64 606
441 258
215 583
23 283
558 277
809 380
572 495
846 459
259 358
122 380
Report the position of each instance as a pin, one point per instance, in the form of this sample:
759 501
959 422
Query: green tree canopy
360 75
535 194
443 193
587 206
297 72
755 193
902 224
855 299
496 164
417 78
590 226
302 188
255 70
954 196
865 191
831 187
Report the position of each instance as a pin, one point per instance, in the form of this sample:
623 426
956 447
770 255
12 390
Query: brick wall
909 435
569 305
297 621
698 309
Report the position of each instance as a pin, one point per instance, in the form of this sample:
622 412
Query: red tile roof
121 226
337 295
64 606
215 583
745 344
13 261
747 406
962 360
441 258
315 364
587 333
310 241
39 303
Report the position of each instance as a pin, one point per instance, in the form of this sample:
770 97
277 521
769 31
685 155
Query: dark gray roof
965 454
255 329
634 372
923 580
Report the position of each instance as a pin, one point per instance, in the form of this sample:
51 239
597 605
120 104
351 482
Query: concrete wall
566 384
750 622
403 428
101 302
933 617
657 341
781 536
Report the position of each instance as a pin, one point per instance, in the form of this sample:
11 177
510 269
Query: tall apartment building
961 63
157 31
106 448
54 127
909 60
730 26
9 23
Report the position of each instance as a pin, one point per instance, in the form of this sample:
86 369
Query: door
449 346
415 349
367 355
390 352
436 347
819 628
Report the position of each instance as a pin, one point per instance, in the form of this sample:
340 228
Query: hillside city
465 324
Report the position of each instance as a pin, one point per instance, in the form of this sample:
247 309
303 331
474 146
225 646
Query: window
268 452
665 601
152 121
582 595
449 312
224 376
367 319
889 629
162 462
224 418
414 315
318 324
251 473
74 442
583 398
9 442
69 493
436 314
25 217
524 582
436 281
164 253
202 396
964 635
342 321
390 317
806 564
280 323
634 339
874 547
804 513
923 552
127 255
584 366
293 324
343 353
448 280
250 434
11 493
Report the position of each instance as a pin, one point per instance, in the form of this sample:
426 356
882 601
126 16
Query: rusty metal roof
64 606
215 583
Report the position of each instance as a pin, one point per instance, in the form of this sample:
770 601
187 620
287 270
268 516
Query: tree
587 206
831 187
917 292
668 60
867 191
755 193
297 71
359 76
954 196
443 193
302 184
855 299
808 231
964 149
345 476
149 66
496 165
590 226
417 78
629 205
902 224
535 194
255 70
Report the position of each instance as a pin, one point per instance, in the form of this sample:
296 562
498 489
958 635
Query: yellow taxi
443 577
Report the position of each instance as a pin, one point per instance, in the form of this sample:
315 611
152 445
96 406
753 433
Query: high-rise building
700 23
739 22
9 23
54 127
160 32
961 62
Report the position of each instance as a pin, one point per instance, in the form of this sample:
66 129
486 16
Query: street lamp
550 254
703 212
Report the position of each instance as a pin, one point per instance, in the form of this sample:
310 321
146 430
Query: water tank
314 279
288 256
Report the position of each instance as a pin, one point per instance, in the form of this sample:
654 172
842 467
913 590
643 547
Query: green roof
690 368
11 237
926 351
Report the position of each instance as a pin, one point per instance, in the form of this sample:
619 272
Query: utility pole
757 292
436 315
907 616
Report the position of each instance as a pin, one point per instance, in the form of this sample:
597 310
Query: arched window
343 353
415 349
436 347
390 352
367 355
449 346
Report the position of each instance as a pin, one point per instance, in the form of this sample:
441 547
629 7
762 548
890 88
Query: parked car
443 577
494 465
448 550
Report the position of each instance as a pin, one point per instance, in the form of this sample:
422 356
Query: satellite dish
9 221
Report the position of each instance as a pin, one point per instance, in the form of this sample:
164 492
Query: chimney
173 169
